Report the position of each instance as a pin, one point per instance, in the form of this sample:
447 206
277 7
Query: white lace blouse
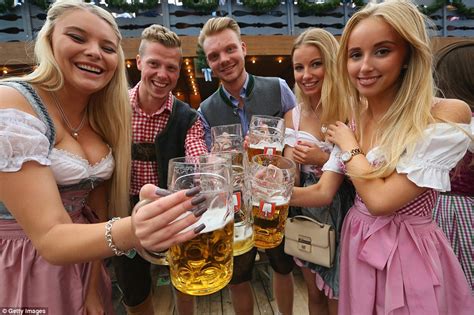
441 148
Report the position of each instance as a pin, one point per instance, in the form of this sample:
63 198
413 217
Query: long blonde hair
409 115
108 110
328 46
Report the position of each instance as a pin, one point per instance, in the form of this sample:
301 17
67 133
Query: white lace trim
22 139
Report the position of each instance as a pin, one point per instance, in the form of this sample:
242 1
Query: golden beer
204 264
269 222
243 232
274 149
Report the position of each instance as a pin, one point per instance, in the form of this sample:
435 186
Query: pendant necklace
74 131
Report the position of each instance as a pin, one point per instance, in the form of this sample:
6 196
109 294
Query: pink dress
403 263
26 279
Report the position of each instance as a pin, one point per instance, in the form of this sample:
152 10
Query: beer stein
227 142
203 265
271 183
226 138
243 231
266 136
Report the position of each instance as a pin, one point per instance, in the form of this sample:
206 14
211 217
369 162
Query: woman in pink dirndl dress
64 131
398 153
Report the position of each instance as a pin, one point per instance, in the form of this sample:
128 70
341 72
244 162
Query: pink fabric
27 280
399 264
320 283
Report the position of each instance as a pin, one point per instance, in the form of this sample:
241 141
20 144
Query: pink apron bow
391 244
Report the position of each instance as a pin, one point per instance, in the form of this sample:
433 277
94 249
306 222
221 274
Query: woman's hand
308 153
342 136
159 221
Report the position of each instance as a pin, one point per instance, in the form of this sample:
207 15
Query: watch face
346 156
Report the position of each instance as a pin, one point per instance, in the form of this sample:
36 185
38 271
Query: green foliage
432 8
262 5
317 8
135 6
454 4
6 5
462 9
121 5
201 5
201 61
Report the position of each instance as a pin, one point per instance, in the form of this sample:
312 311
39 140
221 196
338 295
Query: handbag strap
305 218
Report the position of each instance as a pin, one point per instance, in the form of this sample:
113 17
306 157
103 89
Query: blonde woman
398 153
64 150
314 67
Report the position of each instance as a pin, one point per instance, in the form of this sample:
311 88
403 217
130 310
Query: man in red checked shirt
163 128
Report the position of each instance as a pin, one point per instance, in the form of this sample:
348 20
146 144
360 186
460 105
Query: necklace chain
74 131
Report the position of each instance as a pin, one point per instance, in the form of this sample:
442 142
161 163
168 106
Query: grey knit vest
263 97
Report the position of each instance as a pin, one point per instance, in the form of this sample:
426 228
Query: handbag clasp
304 243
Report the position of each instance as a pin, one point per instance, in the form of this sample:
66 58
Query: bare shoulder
12 98
289 118
452 110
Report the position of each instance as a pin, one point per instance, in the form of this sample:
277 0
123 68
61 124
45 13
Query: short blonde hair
217 25
159 34
332 110
108 109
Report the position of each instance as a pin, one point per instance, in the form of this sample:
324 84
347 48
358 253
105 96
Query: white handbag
310 240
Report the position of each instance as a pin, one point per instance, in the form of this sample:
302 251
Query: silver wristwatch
346 156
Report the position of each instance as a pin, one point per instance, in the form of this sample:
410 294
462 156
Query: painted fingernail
197 200
193 191
199 228
162 192
199 210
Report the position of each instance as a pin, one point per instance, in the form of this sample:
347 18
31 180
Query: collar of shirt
243 93
134 101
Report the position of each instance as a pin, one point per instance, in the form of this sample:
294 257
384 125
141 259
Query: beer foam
213 219
265 144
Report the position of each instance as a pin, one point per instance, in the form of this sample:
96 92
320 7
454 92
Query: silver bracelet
110 241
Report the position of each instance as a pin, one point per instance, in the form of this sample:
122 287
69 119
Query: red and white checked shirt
145 128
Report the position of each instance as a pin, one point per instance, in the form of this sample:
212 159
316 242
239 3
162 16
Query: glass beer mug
271 181
266 135
203 265
227 142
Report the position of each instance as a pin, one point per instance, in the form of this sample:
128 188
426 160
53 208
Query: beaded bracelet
109 240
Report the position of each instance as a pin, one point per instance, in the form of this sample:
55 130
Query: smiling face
376 54
85 48
159 66
225 55
308 69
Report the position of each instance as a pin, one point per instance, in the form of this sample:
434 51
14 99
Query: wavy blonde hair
328 46
108 110
409 115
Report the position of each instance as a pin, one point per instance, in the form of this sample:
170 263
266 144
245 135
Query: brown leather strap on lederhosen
142 152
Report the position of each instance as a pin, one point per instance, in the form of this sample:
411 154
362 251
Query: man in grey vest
240 96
